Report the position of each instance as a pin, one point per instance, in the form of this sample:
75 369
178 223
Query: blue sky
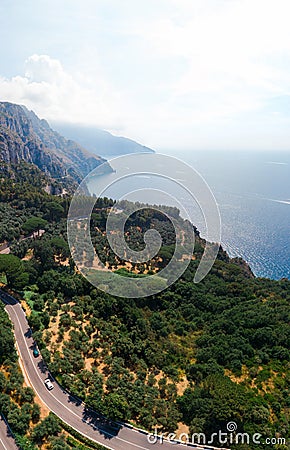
180 74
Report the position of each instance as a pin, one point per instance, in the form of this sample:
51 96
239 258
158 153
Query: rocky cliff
24 137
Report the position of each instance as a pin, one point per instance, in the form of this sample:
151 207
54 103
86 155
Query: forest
193 357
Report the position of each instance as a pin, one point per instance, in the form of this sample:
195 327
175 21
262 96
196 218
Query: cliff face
24 137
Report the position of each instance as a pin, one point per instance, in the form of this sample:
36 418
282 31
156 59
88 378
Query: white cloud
56 95
237 56
228 50
172 77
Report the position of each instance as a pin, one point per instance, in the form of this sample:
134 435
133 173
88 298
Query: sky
171 74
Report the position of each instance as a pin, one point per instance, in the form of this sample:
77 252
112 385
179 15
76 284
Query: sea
252 190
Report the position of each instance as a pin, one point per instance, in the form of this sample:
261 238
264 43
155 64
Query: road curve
7 441
69 409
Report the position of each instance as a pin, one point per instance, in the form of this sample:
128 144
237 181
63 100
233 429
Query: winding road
70 410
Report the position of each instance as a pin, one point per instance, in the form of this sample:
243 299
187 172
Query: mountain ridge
25 137
100 141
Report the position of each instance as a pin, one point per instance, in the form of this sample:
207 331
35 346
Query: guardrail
9 429
4 296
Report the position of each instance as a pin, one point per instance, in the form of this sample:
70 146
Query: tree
35 413
27 395
33 224
116 406
18 420
59 443
60 248
13 269
24 443
7 349
47 427
54 211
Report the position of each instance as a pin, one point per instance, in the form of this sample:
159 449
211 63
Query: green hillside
194 357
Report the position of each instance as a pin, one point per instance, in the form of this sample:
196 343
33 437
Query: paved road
6 439
5 248
70 410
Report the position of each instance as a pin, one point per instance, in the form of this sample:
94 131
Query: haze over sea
253 193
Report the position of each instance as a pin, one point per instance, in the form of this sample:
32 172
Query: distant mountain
24 137
99 141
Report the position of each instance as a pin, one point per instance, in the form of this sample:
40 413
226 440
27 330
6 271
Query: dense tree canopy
197 354
33 224
12 267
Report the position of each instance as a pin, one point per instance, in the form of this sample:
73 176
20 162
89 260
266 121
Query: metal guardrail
120 424
9 429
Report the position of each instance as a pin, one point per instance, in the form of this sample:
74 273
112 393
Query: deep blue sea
252 190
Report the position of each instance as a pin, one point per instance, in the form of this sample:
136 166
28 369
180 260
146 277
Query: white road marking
58 401
4 446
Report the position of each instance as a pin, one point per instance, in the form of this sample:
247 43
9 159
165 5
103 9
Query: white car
48 384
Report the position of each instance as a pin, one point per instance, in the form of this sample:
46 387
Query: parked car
48 384
35 352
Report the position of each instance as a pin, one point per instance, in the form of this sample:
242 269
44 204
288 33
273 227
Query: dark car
35 352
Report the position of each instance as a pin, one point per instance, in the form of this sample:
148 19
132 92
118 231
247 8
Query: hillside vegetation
194 357
26 138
